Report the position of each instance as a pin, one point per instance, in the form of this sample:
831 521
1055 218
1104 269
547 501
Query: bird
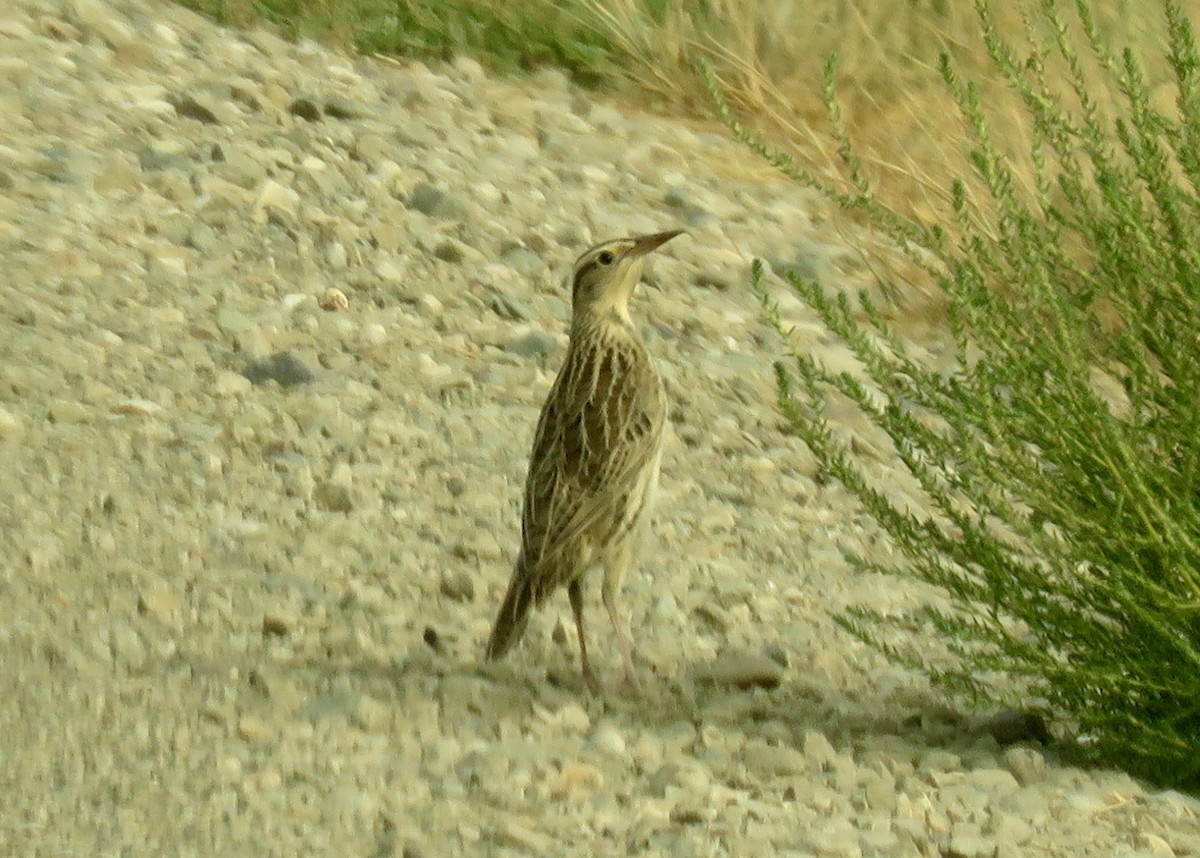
593 471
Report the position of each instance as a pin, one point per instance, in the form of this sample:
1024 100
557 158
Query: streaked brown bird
594 466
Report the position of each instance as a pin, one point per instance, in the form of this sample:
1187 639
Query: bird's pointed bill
643 244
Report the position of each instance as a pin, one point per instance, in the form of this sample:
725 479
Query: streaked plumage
594 466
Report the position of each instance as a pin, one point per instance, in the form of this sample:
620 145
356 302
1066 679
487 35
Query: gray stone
284 368
306 109
333 497
458 585
742 670
231 320
189 108
434 202
533 344
523 260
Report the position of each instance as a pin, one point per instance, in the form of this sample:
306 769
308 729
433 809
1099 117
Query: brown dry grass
770 54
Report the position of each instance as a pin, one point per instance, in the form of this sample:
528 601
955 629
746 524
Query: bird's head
605 275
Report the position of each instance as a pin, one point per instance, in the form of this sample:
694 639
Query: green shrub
1063 527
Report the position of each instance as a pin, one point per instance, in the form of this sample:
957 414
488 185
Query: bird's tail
513 617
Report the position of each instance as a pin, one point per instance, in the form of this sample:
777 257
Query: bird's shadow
486 696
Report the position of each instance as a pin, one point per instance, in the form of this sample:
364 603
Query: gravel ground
254 531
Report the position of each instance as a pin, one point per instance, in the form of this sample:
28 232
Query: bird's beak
643 244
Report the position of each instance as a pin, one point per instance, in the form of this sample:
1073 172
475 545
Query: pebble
254 729
818 749
158 601
577 782
11 424
137 407
458 585
773 760
533 344
278 624
333 300
284 368
229 384
742 670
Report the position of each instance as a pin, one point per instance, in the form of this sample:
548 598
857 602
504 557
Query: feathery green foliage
1064 527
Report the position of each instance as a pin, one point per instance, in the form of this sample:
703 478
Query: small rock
522 260
1010 828
666 610
573 718
68 411
458 585
137 407
333 497
688 776
774 760
430 201
232 321
230 384
275 200
254 729
284 368
432 639
577 782
449 251
277 624
158 601
1154 844
10 423
1027 765
687 816
608 739
779 655
370 714
742 670
525 837
836 838
391 270
166 269
970 846
533 344
289 302
510 307
339 108
333 300
375 334
188 108
305 109
362 711
116 177
940 761
716 618
818 749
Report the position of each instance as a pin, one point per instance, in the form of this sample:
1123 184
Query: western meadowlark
594 466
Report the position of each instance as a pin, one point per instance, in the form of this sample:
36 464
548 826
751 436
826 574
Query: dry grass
770 56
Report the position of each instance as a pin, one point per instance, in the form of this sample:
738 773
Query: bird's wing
598 430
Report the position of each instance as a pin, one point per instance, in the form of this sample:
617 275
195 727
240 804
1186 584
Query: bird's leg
575 594
609 595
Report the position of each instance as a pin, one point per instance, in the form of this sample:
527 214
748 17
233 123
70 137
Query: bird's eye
605 257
